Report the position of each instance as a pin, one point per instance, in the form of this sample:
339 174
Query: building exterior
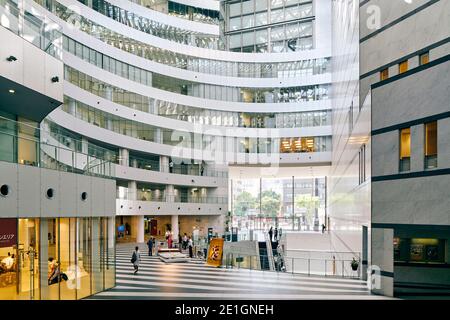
394 158
54 217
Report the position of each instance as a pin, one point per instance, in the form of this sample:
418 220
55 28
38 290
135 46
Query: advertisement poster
215 252
8 232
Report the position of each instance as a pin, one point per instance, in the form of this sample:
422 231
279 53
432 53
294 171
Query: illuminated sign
8 232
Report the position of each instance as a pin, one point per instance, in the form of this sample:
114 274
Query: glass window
235 40
247 6
235 9
276 16
235 24
248 21
384 74
431 145
424 58
405 149
261 19
248 38
403 67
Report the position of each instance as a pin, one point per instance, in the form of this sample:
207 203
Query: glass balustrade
39 30
17 147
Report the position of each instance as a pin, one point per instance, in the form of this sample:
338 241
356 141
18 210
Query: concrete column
109 93
132 190
124 157
139 227
381 271
175 230
164 164
170 193
158 135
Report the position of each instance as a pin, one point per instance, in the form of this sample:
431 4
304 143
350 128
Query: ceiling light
11 91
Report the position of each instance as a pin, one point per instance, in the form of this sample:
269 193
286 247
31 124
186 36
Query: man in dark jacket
150 246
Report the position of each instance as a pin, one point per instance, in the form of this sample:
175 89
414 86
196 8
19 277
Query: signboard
215 252
8 232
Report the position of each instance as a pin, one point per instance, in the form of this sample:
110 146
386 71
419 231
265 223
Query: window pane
431 139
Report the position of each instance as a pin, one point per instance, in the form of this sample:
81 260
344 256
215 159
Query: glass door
28 259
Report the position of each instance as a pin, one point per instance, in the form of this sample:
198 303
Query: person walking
190 245
275 235
185 241
180 241
135 259
150 246
323 228
270 233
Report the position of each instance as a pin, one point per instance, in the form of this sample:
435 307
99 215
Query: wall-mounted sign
8 232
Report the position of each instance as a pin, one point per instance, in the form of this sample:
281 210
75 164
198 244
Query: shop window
403 67
419 250
424 58
431 145
405 149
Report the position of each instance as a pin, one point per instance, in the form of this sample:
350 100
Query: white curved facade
173 114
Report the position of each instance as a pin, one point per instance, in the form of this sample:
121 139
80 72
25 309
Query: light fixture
55 79
12 91
11 59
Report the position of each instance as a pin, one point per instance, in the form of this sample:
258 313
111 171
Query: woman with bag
135 259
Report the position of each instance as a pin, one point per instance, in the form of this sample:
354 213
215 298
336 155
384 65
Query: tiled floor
193 280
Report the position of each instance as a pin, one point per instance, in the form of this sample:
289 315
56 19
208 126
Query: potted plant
354 264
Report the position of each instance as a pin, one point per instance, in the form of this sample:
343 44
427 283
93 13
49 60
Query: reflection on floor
157 280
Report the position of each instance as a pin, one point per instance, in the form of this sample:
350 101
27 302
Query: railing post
325 267
343 269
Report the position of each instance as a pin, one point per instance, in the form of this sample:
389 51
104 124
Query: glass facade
182 61
56 258
289 203
268 25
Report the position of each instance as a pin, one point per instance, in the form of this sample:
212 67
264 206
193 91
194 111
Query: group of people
274 235
185 242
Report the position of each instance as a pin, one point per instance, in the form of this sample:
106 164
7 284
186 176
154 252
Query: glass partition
56 258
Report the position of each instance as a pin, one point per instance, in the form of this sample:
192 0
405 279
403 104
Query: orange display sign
215 252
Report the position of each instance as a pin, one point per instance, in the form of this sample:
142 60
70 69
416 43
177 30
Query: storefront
56 258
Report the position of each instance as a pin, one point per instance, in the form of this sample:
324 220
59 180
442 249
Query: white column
124 157
164 164
175 230
170 193
132 190
139 227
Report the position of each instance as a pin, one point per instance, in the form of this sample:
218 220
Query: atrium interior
301 146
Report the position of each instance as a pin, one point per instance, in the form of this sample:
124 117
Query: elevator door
153 227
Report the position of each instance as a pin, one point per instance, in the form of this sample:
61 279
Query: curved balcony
172 79
122 36
62 151
212 150
100 112
109 86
